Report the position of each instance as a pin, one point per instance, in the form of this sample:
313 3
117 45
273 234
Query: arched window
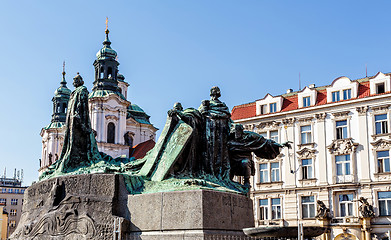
64 107
128 139
110 133
109 72
101 74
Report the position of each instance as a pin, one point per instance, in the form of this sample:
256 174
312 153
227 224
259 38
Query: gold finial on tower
107 22
63 69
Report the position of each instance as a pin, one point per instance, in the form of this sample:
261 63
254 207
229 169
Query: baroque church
121 127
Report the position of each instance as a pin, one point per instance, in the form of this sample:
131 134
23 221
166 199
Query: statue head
238 130
178 106
215 92
78 81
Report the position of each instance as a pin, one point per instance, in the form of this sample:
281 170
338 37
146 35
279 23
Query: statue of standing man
217 128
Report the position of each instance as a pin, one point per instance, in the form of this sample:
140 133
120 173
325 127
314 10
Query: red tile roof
363 89
141 149
290 101
244 111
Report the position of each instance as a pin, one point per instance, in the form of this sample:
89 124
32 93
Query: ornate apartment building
119 124
338 172
11 202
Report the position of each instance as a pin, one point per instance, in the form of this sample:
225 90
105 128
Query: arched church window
109 72
128 139
110 133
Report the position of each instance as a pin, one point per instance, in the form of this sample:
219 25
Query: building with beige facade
3 223
11 200
341 136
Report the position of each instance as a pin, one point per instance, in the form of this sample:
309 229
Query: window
16 190
269 168
276 208
335 96
305 134
275 171
383 161
306 101
101 75
110 133
262 109
274 135
14 201
22 191
306 168
347 94
13 212
273 107
384 203
10 190
263 209
12 224
345 205
3 201
381 124
109 72
264 173
308 207
342 129
264 134
4 190
343 165
380 88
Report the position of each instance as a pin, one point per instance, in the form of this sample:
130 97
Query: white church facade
118 124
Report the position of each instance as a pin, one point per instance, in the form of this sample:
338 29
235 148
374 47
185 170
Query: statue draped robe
217 127
80 147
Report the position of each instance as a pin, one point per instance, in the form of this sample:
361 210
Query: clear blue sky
175 50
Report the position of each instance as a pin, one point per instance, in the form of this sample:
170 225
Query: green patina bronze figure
198 148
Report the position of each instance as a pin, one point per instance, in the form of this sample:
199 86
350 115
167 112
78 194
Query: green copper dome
106 51
63 90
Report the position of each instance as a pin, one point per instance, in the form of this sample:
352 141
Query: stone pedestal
98 206
197 214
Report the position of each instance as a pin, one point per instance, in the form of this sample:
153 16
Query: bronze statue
365 208
80 148
242 144
322 211
217 127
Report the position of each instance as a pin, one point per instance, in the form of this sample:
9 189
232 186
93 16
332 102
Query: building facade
11 202
341 137
118 124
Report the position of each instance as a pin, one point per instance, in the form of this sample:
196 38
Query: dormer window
306 101
273 107
262 109
347 94
335 96
380 88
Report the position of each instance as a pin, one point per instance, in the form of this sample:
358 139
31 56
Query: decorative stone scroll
380 108
342 146
320 116
362 110
381 144
305 120
270 124
306 153
341 114
288 121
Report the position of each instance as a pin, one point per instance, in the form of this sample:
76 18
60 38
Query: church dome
62 90
106 51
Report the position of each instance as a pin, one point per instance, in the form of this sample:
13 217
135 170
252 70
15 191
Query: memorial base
98 206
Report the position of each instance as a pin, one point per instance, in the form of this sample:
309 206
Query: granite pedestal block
98 206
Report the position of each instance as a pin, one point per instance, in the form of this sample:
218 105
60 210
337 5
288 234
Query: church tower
108 106
53 134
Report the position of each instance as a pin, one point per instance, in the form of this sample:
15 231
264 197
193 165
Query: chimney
289 90
312 85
